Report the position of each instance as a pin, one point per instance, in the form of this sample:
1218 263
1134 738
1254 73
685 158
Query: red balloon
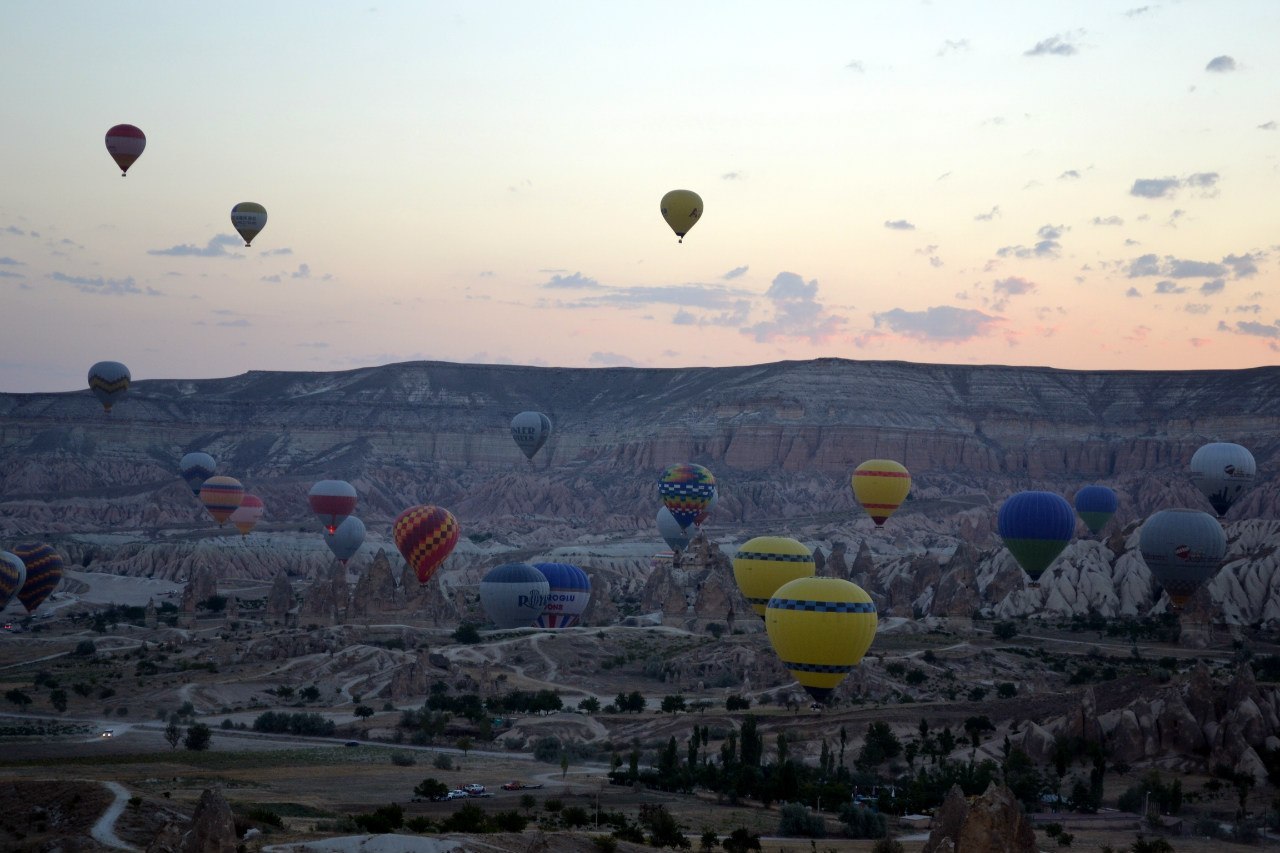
125 144
425 535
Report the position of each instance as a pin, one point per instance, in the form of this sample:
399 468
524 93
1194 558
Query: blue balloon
570 590
1096 505
1035 527
514 595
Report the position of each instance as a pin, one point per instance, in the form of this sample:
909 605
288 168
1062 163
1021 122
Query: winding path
104 830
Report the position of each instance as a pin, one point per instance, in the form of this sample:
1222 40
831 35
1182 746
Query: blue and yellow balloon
820 628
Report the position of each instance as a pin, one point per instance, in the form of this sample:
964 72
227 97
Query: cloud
856 65
736 272
1048 246
1254 328
988 216
11 274
1171 267
1268 125
1107 220
1133 293
1243 266
1221 64
1060 45
101 286
953 46
1154 187
732 176
1211 287
1196 308
797 313
11 262
938 324
284 250
1013 286
1069 175
1248 309
1137 10
215 248
898 225
1167 286
611 359
238 323
303 271
575 281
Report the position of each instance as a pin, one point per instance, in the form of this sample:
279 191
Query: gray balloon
1183 548
1222 472
514 595
676 537
530 430
346 539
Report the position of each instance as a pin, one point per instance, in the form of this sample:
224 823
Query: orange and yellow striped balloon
880 486
44 572
425 535
221 496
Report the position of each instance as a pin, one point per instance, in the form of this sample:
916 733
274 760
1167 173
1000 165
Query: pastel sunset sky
1083 185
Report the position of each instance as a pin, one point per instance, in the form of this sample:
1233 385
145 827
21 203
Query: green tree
430 788
465 744
18 698
364 712
173 734
198 737
467 633
741 840
591 705
58 699
673 704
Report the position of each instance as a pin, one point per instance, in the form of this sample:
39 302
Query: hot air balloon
514 595
109 382
676 537
880 486
767 562
682 209
248 218
1183 548
425 535
1223 472
569 590
44 572
221 496
246 516
347 539
530 430
820 628
1035 527
125 144
701 518
13 574
332 501
1096 505
196 468
686 490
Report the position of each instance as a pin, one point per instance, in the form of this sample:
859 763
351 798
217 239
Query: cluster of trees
196 738
280 722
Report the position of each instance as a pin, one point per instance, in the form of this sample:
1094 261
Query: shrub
860 822
442 761
258 814
796 821
403 759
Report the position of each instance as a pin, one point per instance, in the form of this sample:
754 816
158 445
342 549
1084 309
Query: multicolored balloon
44 573
530 430
248 218
13 574
681 209
1183 548
686 490
221 496
676 537
109 382
820 628
767 562
701 518
248 514
1096 505
880 486
196 468
569 591
514 595
425 535
332 501
1222 472
346 540
125 144
1035 527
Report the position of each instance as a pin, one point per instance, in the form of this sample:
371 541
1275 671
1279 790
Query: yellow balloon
682 209
820 628
767 562
880 486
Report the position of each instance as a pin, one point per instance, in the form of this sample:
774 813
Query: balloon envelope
332 501
767 562
820 628
247 515
125 144
880 486
686 490
425 535
13 574
530 430
1035 527
569 590
221 496
346 540
196 468
248 218
1183 548
109 382
44 572
682 209
1096 505
514 595
1222 472
676 537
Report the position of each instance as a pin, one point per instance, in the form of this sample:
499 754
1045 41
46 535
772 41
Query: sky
1083 185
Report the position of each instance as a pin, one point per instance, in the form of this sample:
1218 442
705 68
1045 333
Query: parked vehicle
456 794
519 786
473 789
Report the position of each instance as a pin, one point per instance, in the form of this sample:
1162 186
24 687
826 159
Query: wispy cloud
1048 246
1209 288
733 176
1252 327
1070 175
1268 125
215 248
736 272
898 225
1171 267
988 216
1221 64
1206 183
1059 45
102 286
938 324
953 46
611 359
11 262
797 313
574 281
856 65
1167 287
